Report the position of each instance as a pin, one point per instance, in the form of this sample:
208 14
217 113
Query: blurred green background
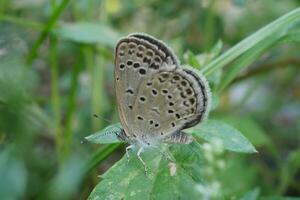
56 71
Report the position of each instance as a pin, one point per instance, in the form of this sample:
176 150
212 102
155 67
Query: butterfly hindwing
169 101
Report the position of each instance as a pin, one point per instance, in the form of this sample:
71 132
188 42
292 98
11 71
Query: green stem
55 98
273 28
209 26
96 71
245 60
43 35
70 110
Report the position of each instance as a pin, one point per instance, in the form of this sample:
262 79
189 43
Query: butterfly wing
156 98
136 57
170 101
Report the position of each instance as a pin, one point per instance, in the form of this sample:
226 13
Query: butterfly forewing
135 59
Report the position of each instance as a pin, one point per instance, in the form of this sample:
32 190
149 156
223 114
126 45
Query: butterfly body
157 98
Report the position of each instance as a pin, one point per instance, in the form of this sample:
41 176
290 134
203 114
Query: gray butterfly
156 97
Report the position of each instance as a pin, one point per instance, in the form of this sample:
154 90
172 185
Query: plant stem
273 28
55 98
70 110
43 35
209 26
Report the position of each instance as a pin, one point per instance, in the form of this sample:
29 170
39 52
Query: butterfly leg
127 150
140 158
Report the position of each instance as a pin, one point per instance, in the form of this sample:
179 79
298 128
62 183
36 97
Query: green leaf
127 180
13 175
246 59
251 195
230 138
198 61
191 59
276 27
292 36
90 33
216 49
289 170
107 135
250 128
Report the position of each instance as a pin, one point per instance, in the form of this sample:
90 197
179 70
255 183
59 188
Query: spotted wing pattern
156 98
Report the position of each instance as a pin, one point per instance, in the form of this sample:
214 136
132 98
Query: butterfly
157 98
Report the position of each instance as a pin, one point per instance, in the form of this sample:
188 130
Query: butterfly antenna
101 118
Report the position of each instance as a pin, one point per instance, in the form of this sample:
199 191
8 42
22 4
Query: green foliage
220 133
88 33
251 195
107 135
56 71
128 180
162 180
